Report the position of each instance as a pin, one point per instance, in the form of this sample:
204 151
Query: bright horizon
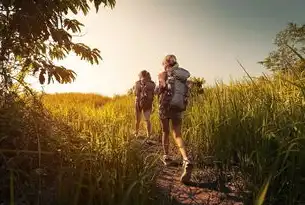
207 36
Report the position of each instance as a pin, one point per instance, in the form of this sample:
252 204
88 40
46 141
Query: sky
207 36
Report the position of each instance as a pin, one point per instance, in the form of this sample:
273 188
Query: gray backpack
178 88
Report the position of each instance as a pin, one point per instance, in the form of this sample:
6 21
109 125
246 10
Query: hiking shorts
146 107
167 115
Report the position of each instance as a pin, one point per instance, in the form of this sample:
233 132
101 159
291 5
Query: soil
208 184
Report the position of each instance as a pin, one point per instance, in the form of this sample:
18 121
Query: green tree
196 85
290 49
130 91
34 33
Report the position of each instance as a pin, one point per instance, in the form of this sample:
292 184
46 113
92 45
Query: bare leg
160 132
148 123
165 135
138 120
187 165
178 138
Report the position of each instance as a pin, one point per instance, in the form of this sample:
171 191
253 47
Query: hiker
144 92
173 92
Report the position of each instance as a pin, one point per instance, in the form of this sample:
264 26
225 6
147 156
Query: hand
161 78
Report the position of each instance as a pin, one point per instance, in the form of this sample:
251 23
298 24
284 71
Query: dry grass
80 146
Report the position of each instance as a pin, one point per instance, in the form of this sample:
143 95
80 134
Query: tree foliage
290 49
196 85
34 33
130 91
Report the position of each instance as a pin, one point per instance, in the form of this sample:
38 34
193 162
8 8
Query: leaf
57 77
41 77
73 25
262 195
72 7
84 7
110 3
295 52
36 66
49 77
37 32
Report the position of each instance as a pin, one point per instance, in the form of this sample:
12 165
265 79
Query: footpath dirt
209 185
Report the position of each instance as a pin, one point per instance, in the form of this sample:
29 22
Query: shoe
187 172
150 139
166 160
136 135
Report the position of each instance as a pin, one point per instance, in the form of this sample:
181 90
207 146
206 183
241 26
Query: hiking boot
166 160
150 139
136 135
187 172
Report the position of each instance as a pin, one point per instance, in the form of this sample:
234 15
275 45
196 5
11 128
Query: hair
167 60
148 76
145 74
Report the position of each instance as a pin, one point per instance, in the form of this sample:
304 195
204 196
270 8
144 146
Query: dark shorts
144 108
170 115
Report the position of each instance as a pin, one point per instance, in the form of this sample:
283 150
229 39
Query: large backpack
147 90
178 88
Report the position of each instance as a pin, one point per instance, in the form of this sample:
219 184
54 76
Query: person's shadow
218 185
215 186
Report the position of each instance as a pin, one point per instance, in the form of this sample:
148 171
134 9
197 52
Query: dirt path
206 188
199 191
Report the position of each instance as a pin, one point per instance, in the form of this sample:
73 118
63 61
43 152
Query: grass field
85 150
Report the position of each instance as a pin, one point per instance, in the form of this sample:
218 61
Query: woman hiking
144 92
171 110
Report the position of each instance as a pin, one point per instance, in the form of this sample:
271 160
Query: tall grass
258 125
112 170
85 152
79 154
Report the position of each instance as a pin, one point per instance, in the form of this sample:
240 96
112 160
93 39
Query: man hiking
144 92
173 93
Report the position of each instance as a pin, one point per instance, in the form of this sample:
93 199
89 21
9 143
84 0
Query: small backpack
178 89
147 90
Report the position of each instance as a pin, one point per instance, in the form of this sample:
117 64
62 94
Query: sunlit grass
257 124
79 153
84 143
260 126
111 165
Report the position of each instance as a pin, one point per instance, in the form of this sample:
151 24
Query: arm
162 79
137 90
154 87
156 90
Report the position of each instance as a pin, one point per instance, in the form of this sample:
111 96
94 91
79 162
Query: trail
208 186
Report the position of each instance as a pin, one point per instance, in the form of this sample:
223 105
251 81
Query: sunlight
129 44
218 127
